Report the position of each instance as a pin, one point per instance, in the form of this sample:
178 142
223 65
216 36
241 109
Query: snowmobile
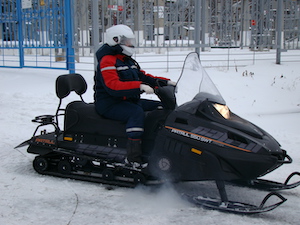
193 137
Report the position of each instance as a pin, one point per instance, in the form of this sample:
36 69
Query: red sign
115 7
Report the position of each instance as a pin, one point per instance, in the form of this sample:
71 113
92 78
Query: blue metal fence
36 33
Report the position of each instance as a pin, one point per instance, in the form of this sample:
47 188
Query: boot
134 154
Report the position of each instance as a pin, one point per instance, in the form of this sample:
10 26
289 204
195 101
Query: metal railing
36 33
160 26
224 59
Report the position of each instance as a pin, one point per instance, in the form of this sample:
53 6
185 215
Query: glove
146 88
171 83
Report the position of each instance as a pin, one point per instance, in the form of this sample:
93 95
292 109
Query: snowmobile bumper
287 159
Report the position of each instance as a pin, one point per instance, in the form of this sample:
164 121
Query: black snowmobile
194 137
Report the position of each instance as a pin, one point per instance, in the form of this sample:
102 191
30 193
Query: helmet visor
129 42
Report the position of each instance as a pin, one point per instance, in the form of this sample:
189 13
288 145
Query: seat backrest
70 82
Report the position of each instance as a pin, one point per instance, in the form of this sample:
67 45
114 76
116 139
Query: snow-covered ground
265 93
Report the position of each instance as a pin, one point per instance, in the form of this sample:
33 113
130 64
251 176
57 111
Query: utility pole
245 32
204 24
197 25
138 24
84 27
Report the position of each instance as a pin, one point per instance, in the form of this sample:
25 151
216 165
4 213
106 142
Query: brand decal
203 139
45 141
190 135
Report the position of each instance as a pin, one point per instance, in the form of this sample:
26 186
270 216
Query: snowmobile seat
81 117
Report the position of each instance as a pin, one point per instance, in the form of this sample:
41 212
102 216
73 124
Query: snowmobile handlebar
166 94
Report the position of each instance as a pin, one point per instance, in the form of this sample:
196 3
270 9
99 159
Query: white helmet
122 35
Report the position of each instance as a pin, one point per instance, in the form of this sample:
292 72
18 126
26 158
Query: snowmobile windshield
194 84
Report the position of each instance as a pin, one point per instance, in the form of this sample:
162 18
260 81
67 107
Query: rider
119 81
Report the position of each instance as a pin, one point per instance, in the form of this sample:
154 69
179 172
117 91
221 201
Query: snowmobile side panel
34 149
109 153
42 144
181 159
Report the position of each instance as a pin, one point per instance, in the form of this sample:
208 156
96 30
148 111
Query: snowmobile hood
221 116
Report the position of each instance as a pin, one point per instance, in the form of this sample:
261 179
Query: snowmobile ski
268 185
235 207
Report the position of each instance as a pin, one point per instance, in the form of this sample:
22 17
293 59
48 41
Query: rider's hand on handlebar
171 83
146 88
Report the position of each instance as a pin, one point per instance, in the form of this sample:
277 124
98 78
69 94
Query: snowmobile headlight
223 110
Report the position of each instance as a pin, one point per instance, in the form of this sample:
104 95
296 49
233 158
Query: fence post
279 30
95 23
69 37
20 33
203 24
197 25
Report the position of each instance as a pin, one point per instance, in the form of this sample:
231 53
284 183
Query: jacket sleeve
112 83
150 79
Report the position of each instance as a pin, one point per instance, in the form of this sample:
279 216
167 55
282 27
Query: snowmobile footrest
89 179
235 207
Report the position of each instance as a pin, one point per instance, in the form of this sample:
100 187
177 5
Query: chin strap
127 50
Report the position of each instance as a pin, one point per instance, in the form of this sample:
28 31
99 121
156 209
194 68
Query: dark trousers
133 114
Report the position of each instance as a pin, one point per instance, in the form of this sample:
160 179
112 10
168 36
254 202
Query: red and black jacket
118 78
